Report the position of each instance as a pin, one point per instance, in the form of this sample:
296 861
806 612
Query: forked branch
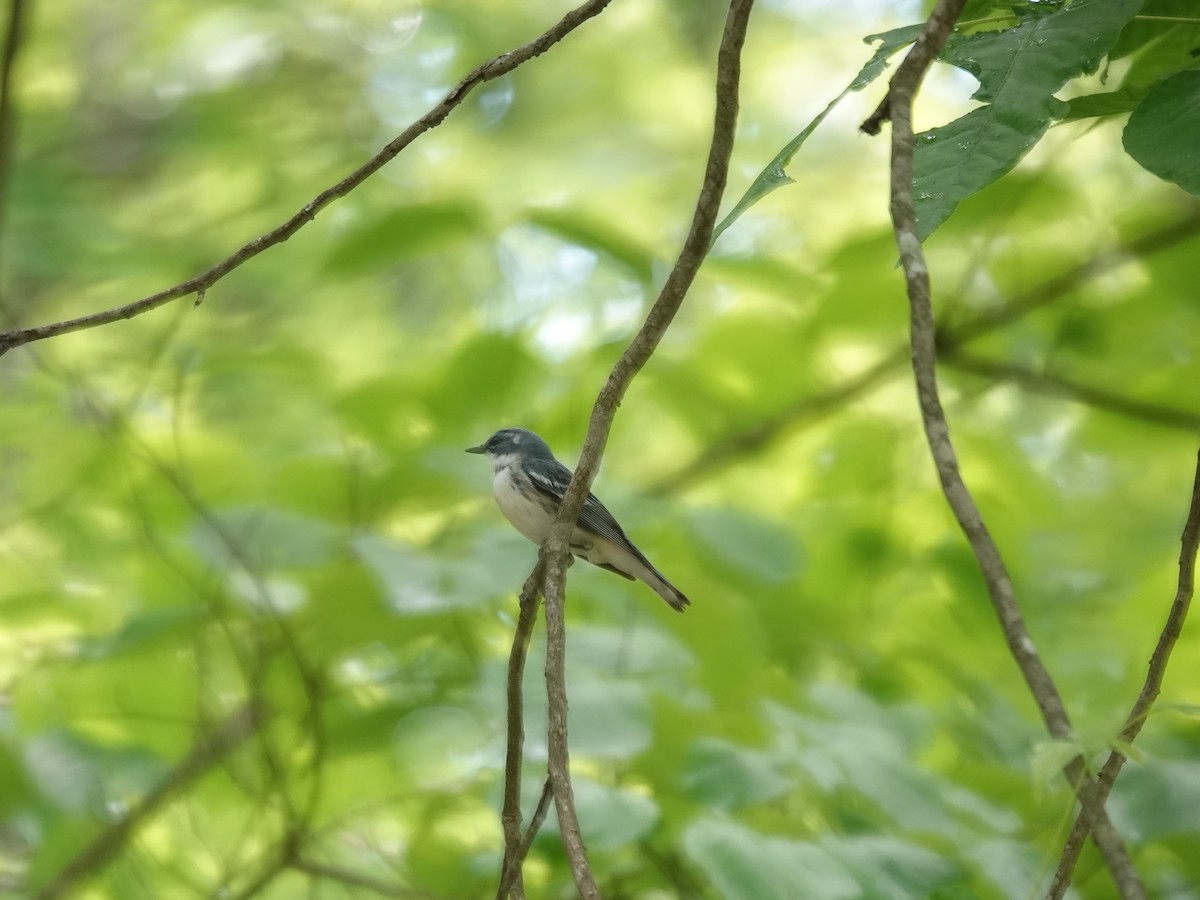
555 550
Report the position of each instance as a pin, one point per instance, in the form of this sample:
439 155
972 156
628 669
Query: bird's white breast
526 513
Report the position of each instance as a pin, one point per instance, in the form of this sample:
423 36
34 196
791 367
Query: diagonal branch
1058 386
207 752
1184 589
512 870
555 550
490 70
897 106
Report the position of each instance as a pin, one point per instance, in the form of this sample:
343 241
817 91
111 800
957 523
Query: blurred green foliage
267 496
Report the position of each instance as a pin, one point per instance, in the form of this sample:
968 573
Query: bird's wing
552 479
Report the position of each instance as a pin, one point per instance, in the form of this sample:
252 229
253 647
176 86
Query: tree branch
207 752
490 70
512 870
510 815
1058 386
555 550
897 106
817 406
1184 589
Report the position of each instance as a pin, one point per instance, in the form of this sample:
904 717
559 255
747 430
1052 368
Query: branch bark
206 753
492 69
510 815
897 106
555 551
1184 589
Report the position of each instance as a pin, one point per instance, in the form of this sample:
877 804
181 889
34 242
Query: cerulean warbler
529 484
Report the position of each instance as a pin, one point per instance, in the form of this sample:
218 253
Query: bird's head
513 443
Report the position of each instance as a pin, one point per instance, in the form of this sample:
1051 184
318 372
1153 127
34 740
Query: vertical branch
14 35
1184 589
555 550
510 816
897 106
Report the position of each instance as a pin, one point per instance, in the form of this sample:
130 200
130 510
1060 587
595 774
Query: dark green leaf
1164 131
1019 71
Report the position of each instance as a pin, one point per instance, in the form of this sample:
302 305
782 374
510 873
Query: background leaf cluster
267 496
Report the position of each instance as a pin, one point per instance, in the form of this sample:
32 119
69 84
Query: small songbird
529 484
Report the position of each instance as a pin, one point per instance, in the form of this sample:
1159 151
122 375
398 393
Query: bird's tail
674 597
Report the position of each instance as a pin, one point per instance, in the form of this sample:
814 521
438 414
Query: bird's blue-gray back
552 478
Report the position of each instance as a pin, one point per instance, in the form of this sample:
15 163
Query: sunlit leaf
1019 71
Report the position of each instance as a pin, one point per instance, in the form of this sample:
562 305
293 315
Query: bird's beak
478 449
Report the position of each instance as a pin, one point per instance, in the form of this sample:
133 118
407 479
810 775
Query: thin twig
512 869
490 70
207 752
632 360
1184 589
817 406
510 815
1058 386
897 106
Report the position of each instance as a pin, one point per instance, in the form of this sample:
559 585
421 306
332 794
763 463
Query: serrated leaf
1164 131
1019 71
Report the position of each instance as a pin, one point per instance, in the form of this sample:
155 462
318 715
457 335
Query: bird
529 483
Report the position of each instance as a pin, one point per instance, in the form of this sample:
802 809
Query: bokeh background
266 496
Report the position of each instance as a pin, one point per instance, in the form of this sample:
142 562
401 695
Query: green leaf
260 540
608 719
405 232
1109 103
721 775
142 630
1156 801
773 175
746 865
596 235
749 543
1164 131
610 817
441 746
417 583
1019 70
